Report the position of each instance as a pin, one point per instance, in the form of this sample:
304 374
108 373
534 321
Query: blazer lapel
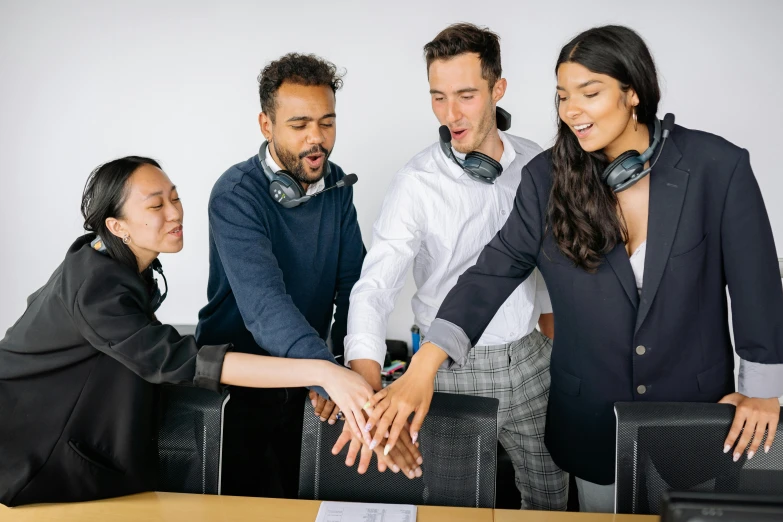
618 260
668 185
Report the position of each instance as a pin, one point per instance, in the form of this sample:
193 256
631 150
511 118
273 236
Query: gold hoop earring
635 121
126 239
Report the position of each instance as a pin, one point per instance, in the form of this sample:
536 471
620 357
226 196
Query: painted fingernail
418 472
766 449
415 437
736 456
386 450
726 448
368 426
419 461
396 468
750 454
373 444
366 406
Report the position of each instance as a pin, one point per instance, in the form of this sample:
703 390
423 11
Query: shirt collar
312 189
508 157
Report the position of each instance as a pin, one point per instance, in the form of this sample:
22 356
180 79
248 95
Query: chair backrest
679 447
190 439
458 442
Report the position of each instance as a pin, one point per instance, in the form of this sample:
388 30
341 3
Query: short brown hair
463 38
301 69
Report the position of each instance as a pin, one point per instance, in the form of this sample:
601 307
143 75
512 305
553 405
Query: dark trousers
262 438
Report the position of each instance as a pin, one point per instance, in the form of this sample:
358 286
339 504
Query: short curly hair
301 69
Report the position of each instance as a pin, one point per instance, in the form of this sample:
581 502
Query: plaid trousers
517 374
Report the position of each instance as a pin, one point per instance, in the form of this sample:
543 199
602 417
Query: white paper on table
363 512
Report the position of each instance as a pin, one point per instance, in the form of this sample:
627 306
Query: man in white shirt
438 216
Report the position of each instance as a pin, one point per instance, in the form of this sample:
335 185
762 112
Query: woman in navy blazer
636 267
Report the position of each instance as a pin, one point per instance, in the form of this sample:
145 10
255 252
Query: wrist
370 370
428 359
325 373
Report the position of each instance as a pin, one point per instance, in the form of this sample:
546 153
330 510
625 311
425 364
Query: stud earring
126 239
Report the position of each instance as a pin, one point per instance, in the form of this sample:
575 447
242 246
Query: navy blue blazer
708 228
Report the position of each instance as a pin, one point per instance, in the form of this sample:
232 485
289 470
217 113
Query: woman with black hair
636 266
78 369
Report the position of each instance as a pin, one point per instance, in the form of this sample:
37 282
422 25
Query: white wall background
82 82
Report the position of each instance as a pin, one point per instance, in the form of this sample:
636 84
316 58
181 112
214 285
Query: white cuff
364 346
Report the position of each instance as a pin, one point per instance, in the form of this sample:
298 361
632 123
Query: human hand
324 408
756 416
412 392
350 392
405 457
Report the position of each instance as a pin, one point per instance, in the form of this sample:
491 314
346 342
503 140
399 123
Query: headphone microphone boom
347 181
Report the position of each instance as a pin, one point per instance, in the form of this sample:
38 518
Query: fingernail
418 472
323 419
373 444
387 434
766 449
331 421
419 461
736 456
313 403
415 437
366 406
396 468
411 474
386 450
750 454
368 426
726 448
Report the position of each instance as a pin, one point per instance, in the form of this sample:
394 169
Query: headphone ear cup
615 173
284 189
481 167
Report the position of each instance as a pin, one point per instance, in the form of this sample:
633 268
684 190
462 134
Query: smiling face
596 109
304 131
464 101
152 215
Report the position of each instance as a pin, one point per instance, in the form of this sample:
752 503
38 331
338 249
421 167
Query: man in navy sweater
278 272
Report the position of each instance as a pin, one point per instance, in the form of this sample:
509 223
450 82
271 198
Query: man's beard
482 131
295 164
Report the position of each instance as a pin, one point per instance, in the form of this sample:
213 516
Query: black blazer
707 228
77 416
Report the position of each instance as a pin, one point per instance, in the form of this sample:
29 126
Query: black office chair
679 447
190 439
458 445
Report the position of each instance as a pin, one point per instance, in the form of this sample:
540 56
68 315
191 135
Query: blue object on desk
415 338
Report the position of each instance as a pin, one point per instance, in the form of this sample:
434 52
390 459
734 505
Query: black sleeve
111 312
751 269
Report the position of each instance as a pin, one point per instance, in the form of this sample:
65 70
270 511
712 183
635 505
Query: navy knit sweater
276 274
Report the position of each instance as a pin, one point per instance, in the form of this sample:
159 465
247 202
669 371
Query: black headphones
628 167
157 299
282 186
477 165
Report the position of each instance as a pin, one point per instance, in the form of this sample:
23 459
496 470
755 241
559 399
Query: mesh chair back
679 447
458 442
190 439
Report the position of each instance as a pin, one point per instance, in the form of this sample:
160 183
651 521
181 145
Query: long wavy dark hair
582 212
104 196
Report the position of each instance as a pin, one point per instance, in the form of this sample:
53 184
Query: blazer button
641 389
640 350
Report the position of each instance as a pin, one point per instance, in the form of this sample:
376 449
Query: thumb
732 398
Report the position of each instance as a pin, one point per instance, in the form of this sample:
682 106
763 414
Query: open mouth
314 160
176 232
583 129
458 134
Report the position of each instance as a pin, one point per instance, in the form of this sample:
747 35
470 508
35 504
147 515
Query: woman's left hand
756 416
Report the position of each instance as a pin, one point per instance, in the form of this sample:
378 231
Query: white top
312 189
755 379
438 218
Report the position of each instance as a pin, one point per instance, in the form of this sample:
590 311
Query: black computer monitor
708 507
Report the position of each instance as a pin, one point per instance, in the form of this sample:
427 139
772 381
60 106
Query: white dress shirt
439 218
311 189
764 381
